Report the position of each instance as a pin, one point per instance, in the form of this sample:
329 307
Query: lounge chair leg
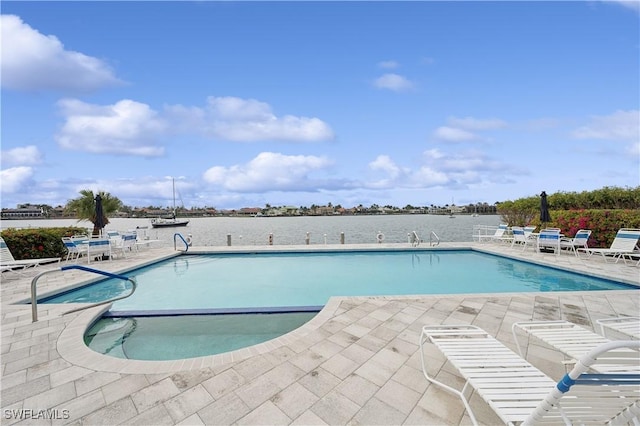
460 394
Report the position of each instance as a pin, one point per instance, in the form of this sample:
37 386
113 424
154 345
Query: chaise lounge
573 341
625 243
9 263
519 393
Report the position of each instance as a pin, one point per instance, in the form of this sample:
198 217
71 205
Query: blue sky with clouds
300 103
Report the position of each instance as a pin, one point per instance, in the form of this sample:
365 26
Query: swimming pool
190 283
170 314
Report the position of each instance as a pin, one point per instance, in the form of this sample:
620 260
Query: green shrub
37 243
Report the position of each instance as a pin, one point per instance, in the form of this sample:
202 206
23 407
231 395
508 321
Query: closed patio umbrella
544 209
100 220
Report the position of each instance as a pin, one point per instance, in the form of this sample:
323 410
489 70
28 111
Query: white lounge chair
519 393
112 234
520 237
573 341
500 234
126 244
628 326
579 241
633 257
98 247
9 263
625 243
73 249
549 239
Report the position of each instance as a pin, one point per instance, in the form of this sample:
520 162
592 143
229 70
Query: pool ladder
186 241
415 240
34 281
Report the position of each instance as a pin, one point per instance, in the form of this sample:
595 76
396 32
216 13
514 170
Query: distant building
249 211
24 212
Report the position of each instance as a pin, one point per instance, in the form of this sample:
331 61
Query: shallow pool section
193 282
188 336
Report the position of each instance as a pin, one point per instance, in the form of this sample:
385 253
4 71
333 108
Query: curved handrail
431 235
414 239
34 297
186 244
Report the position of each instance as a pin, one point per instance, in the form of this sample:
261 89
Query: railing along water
34 281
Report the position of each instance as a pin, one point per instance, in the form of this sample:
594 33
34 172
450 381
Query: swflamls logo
27 413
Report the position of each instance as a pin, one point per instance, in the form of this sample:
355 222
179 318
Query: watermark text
28 413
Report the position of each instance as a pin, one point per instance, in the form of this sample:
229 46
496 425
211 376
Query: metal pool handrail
34 298
414 239
431 236
177 234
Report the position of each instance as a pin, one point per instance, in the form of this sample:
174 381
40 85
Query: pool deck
356 362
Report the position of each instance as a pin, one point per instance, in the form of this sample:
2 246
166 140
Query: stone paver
357 362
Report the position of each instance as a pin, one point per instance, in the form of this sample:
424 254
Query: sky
244 104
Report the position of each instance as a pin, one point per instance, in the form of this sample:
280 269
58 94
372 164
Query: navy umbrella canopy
544 209
100 220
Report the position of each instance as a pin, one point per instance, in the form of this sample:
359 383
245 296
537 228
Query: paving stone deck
357 362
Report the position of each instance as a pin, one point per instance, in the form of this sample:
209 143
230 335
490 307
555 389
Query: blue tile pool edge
215 311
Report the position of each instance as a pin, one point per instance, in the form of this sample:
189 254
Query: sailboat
172 222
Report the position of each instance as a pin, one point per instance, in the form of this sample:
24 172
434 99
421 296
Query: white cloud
441 169
428 177
23 156
15 179
630 4
248 120
126 127
470 123
388 64
270 171
395 177
33 61
450 134
619 126
133 128
461 129
384 162
433 154
394 174
393 82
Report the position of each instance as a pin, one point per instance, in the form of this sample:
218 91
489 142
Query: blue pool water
205 282
188 336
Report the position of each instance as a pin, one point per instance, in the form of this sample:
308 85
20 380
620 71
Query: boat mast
173 181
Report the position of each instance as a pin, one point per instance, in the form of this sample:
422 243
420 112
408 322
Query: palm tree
84 207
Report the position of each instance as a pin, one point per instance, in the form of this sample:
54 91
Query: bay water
361 229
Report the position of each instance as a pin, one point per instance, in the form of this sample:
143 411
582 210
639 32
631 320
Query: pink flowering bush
604 224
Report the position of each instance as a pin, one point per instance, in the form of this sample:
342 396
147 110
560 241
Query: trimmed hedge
37 243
